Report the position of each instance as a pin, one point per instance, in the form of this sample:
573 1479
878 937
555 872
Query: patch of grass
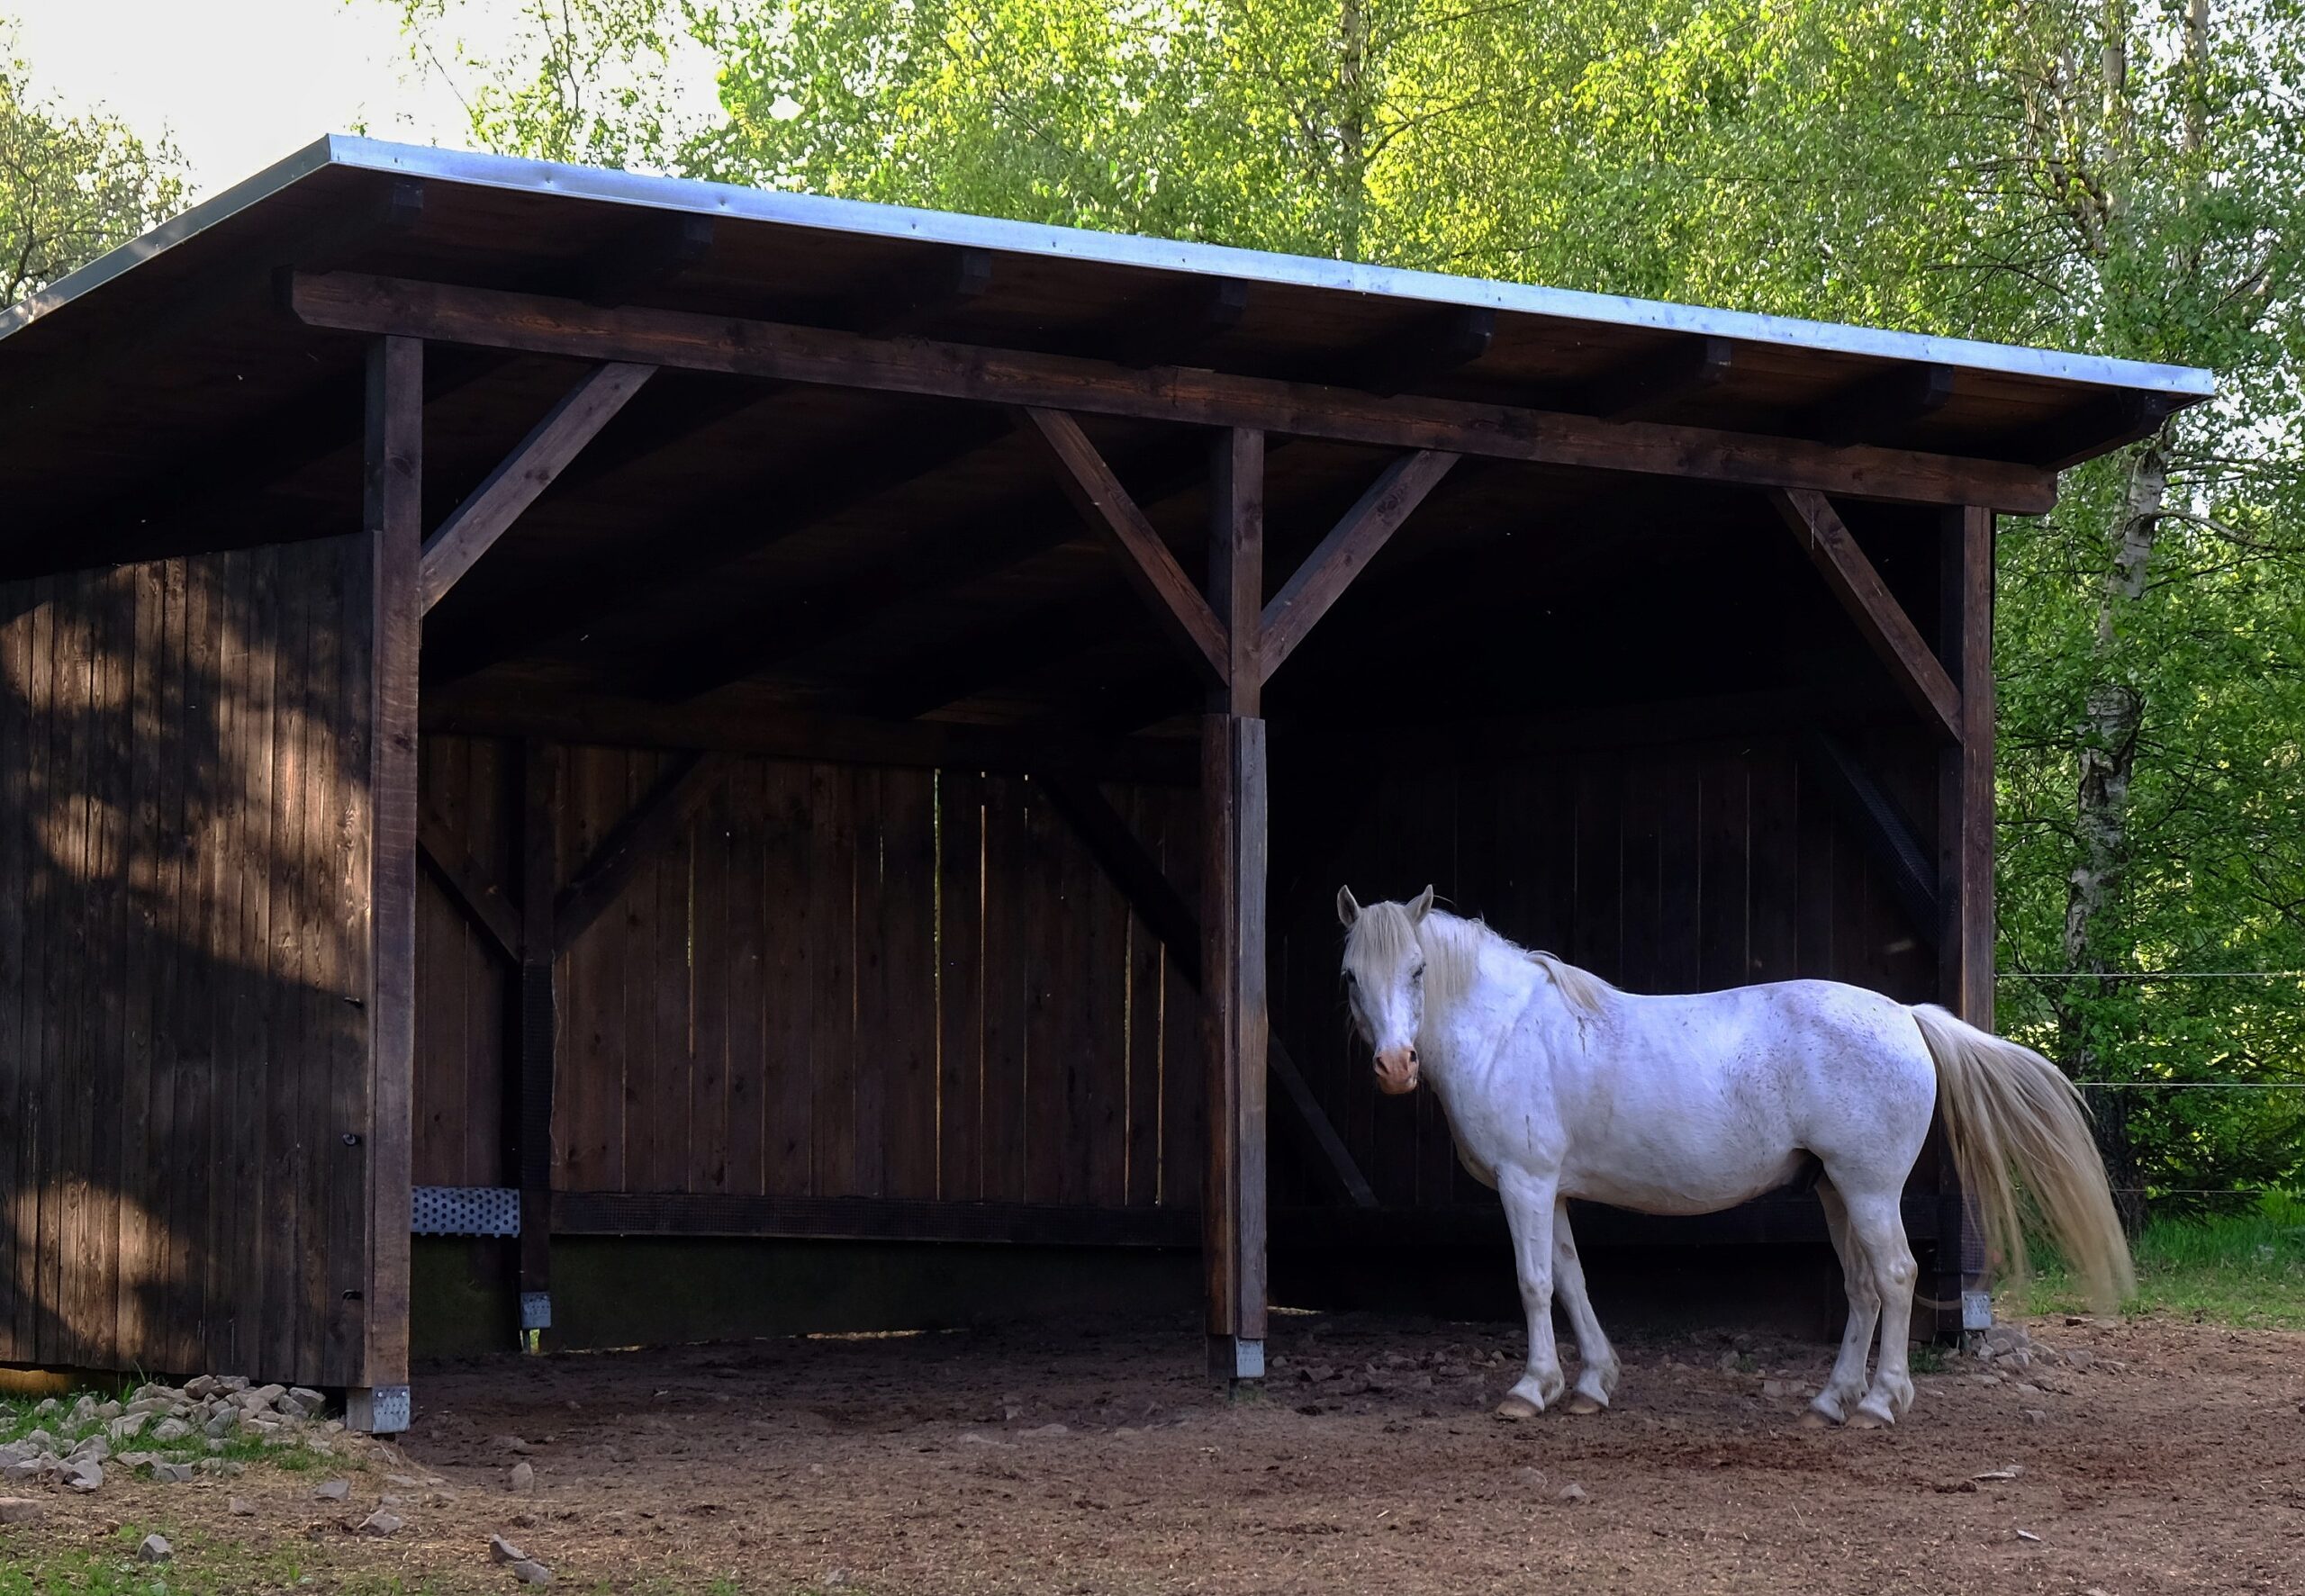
2243 1269
1930 1359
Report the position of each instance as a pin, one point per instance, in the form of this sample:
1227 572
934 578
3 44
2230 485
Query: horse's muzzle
1397 1072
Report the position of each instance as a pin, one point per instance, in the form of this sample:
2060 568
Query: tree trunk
2107 758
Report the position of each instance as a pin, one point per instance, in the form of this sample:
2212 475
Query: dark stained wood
1009 911
441 851
960 984
1233 994
831 1013
1653 386
639 723
1887 628
1966 944
1433 346
394 476
1837 774
1881 409
791 858
749 1063
710 968
900 1013
489 511
926 293
1237 565
1106 505
628 1213
537 1035
651 252
1183 322
1354 541
1168 915
2092 427
492 318
653 822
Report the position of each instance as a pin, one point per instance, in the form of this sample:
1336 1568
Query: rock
1571 1493
38 1440
170 1430
156 1549
128 1426
242 1508
172 1474
2036 1415
222 1425
1049 1429
222 1468
378 1523
514 1445
86 1476
2026 1534
520 1477
259 1399
1531 1479
970 1437
17 1474
47 1405
83 1413
530 1572
94 1449
333 1491
228 1384
1782 1388
504 1551
201 1388
21 1510
1998 1473
109 1410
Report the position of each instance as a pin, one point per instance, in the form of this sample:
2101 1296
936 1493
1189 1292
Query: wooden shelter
617 706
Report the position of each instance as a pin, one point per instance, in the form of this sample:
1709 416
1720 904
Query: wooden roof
747 542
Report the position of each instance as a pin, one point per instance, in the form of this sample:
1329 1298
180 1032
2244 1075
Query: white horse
1558 1085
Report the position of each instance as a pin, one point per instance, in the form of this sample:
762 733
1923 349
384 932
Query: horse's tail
2011 1116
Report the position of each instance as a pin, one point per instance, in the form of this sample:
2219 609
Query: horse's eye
1349 980
1417 974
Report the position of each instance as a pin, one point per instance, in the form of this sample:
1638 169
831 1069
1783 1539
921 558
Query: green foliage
2246 1270
71 187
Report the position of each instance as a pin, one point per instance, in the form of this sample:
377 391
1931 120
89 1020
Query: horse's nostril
1412 1055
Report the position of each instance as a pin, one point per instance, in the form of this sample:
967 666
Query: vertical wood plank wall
183 816
842 981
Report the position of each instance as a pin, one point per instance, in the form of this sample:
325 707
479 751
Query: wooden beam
1106 505
1165 912
1237 563
1232 1003
476 897
1966 947
632 842
356 303
927 291
1354 541
865 1219
1880 825
1881 409
1890 633
615 722
392 506
1432 346
1652 386
539 1031
521 477
995 653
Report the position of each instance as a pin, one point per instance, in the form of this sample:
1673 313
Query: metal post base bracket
377 1410
1231 1359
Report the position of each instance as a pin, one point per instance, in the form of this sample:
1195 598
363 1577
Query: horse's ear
1420 908
1347 910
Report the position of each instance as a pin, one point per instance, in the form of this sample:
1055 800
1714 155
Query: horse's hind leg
1877 1230
1529 1211
1845 1387
1598 1379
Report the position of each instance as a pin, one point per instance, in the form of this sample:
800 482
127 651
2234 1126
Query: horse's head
1384 980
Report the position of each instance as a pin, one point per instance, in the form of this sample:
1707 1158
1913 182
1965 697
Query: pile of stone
72 1445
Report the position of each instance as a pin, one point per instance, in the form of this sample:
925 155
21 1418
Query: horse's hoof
1517 1407
1861 1419
1581 1403
1811 1419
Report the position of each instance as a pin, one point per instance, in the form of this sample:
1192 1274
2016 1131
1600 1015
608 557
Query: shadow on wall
184 823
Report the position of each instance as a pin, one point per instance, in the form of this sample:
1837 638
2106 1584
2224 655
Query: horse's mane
1452 945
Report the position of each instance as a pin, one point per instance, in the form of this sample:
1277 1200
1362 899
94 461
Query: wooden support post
539 849
392 504
1232 921
1965 831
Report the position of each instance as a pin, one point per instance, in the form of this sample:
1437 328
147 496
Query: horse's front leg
1529 1211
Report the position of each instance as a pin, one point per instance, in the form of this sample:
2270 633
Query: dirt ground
1096 1460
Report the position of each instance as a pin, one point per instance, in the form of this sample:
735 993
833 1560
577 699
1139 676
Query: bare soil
2174 1463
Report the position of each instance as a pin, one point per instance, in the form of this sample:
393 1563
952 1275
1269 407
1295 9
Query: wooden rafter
1106 505
468 886
1141 880
1354 541
1431 348
654 821
1883 407
353 302
1887 628
1652 386
489 511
